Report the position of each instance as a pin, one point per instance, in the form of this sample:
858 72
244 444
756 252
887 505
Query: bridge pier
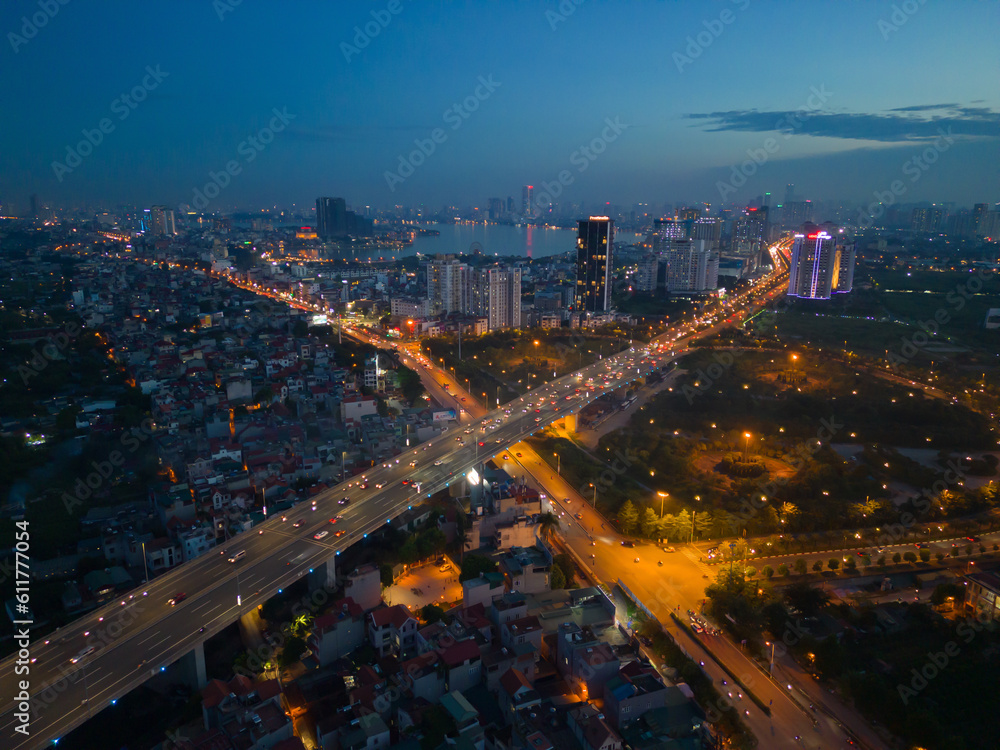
570 422
324 575
191 667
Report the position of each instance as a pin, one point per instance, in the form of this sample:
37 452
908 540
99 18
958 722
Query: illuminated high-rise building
161 220
820 266
594 245
331 218
527 200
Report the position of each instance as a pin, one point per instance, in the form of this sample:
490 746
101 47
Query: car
518 455
83 654
238 556
636 560
339 533
405 482
437 463
972 538
627 543
920 545
344 500
177 599
320 534
578 516
506 457
669 549
298 523
861 553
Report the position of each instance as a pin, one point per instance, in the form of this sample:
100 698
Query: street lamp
558 464
662 495
746 447
770 666
595 493
145 568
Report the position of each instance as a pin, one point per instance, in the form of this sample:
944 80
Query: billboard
444 416
319 320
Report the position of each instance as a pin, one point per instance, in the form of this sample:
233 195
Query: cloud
900 125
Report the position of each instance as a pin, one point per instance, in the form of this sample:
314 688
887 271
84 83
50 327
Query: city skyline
681 116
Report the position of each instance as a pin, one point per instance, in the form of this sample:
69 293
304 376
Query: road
133 637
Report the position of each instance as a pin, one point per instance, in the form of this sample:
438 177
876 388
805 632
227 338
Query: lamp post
595 493
558 464
746 447
145 568
770 665
662 495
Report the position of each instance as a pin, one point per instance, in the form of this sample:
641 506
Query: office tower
331 218
496 295
496 209
846 252
978 211
689 214
707 229
796 213
594 245
767 200
816 266
750 231
789 193
665 230
926 219
34 206
448 285
527 200
161 221
692 266
645 277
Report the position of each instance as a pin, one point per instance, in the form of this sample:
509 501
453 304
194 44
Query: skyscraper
820 266
448 285
692 266
496 295
750 231
665 230
331 218
594 245
527 200
161 221
707 229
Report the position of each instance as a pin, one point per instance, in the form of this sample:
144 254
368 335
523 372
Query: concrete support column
192 667
324 575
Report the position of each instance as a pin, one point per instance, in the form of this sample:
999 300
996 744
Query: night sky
693 86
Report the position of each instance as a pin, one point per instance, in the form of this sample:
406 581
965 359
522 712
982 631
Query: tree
800 566
946 591
787 511
851 564
833 563
292 652
682 523
881 561
431 613
782 570
565 563
910 557
548 524
473 565
650 526
818 566
896 557
557 579
385 574
939 556
628 517
767 571
806 599
925 555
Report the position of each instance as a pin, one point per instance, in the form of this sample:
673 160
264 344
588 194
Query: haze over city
557 375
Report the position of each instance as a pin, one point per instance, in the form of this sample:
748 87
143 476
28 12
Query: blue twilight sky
699 86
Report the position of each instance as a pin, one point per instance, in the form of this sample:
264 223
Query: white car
437 463
320 534
86 652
